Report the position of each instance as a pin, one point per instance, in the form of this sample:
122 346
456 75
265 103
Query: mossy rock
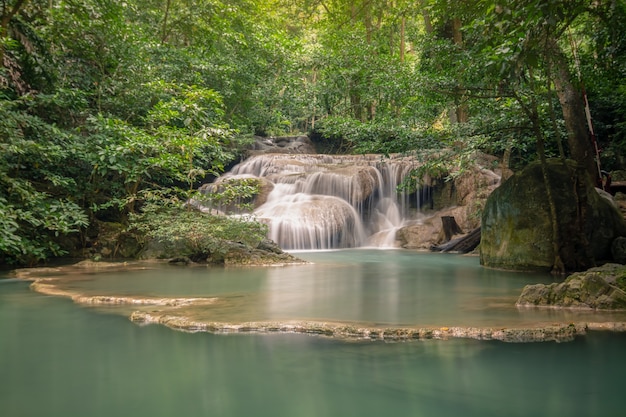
516 224
600 288
225 253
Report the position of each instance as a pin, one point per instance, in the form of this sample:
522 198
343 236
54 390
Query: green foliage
446 163
200 233
233 195
386 136
603 62
182 141
33 172
107 105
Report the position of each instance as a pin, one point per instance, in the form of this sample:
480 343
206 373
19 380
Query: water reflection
358 287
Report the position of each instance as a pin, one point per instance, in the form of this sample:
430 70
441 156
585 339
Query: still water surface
368 287
59 359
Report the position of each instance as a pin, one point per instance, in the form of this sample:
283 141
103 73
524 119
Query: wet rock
266 255
420 235
312 222
52 287
183 260
91 264
601 288
268 245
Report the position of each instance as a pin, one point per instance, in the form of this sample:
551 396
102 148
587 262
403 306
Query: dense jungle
115 112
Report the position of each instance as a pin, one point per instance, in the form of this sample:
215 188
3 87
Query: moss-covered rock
601 288
517 227
223 253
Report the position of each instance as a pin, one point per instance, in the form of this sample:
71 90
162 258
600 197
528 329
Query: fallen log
462 244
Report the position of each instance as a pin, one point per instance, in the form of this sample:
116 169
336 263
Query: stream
58 358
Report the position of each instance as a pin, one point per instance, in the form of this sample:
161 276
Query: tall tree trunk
580 145
461 110
557 265
533 114
165 18
555 126
5 19
428 25
314 81
402 40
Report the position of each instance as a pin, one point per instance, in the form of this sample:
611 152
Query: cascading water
316 201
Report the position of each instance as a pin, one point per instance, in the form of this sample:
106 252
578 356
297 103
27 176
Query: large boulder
517 227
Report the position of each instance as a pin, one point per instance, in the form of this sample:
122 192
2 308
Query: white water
330 201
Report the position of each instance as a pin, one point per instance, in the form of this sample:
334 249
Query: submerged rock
602 288
550 333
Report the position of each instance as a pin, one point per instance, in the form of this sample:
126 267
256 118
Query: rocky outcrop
517 225
265 254
601 288
463 199
102 240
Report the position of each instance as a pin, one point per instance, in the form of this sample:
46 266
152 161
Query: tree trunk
555 126
5 20
532 113
463 244
461 109
449 228
402 40
165 18
428 25
580 145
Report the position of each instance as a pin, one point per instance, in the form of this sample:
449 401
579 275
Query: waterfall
315 201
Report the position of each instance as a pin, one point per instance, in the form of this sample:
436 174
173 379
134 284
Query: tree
508 40
106 104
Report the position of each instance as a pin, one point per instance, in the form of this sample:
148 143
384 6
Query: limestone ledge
85 266
554 333
42 287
